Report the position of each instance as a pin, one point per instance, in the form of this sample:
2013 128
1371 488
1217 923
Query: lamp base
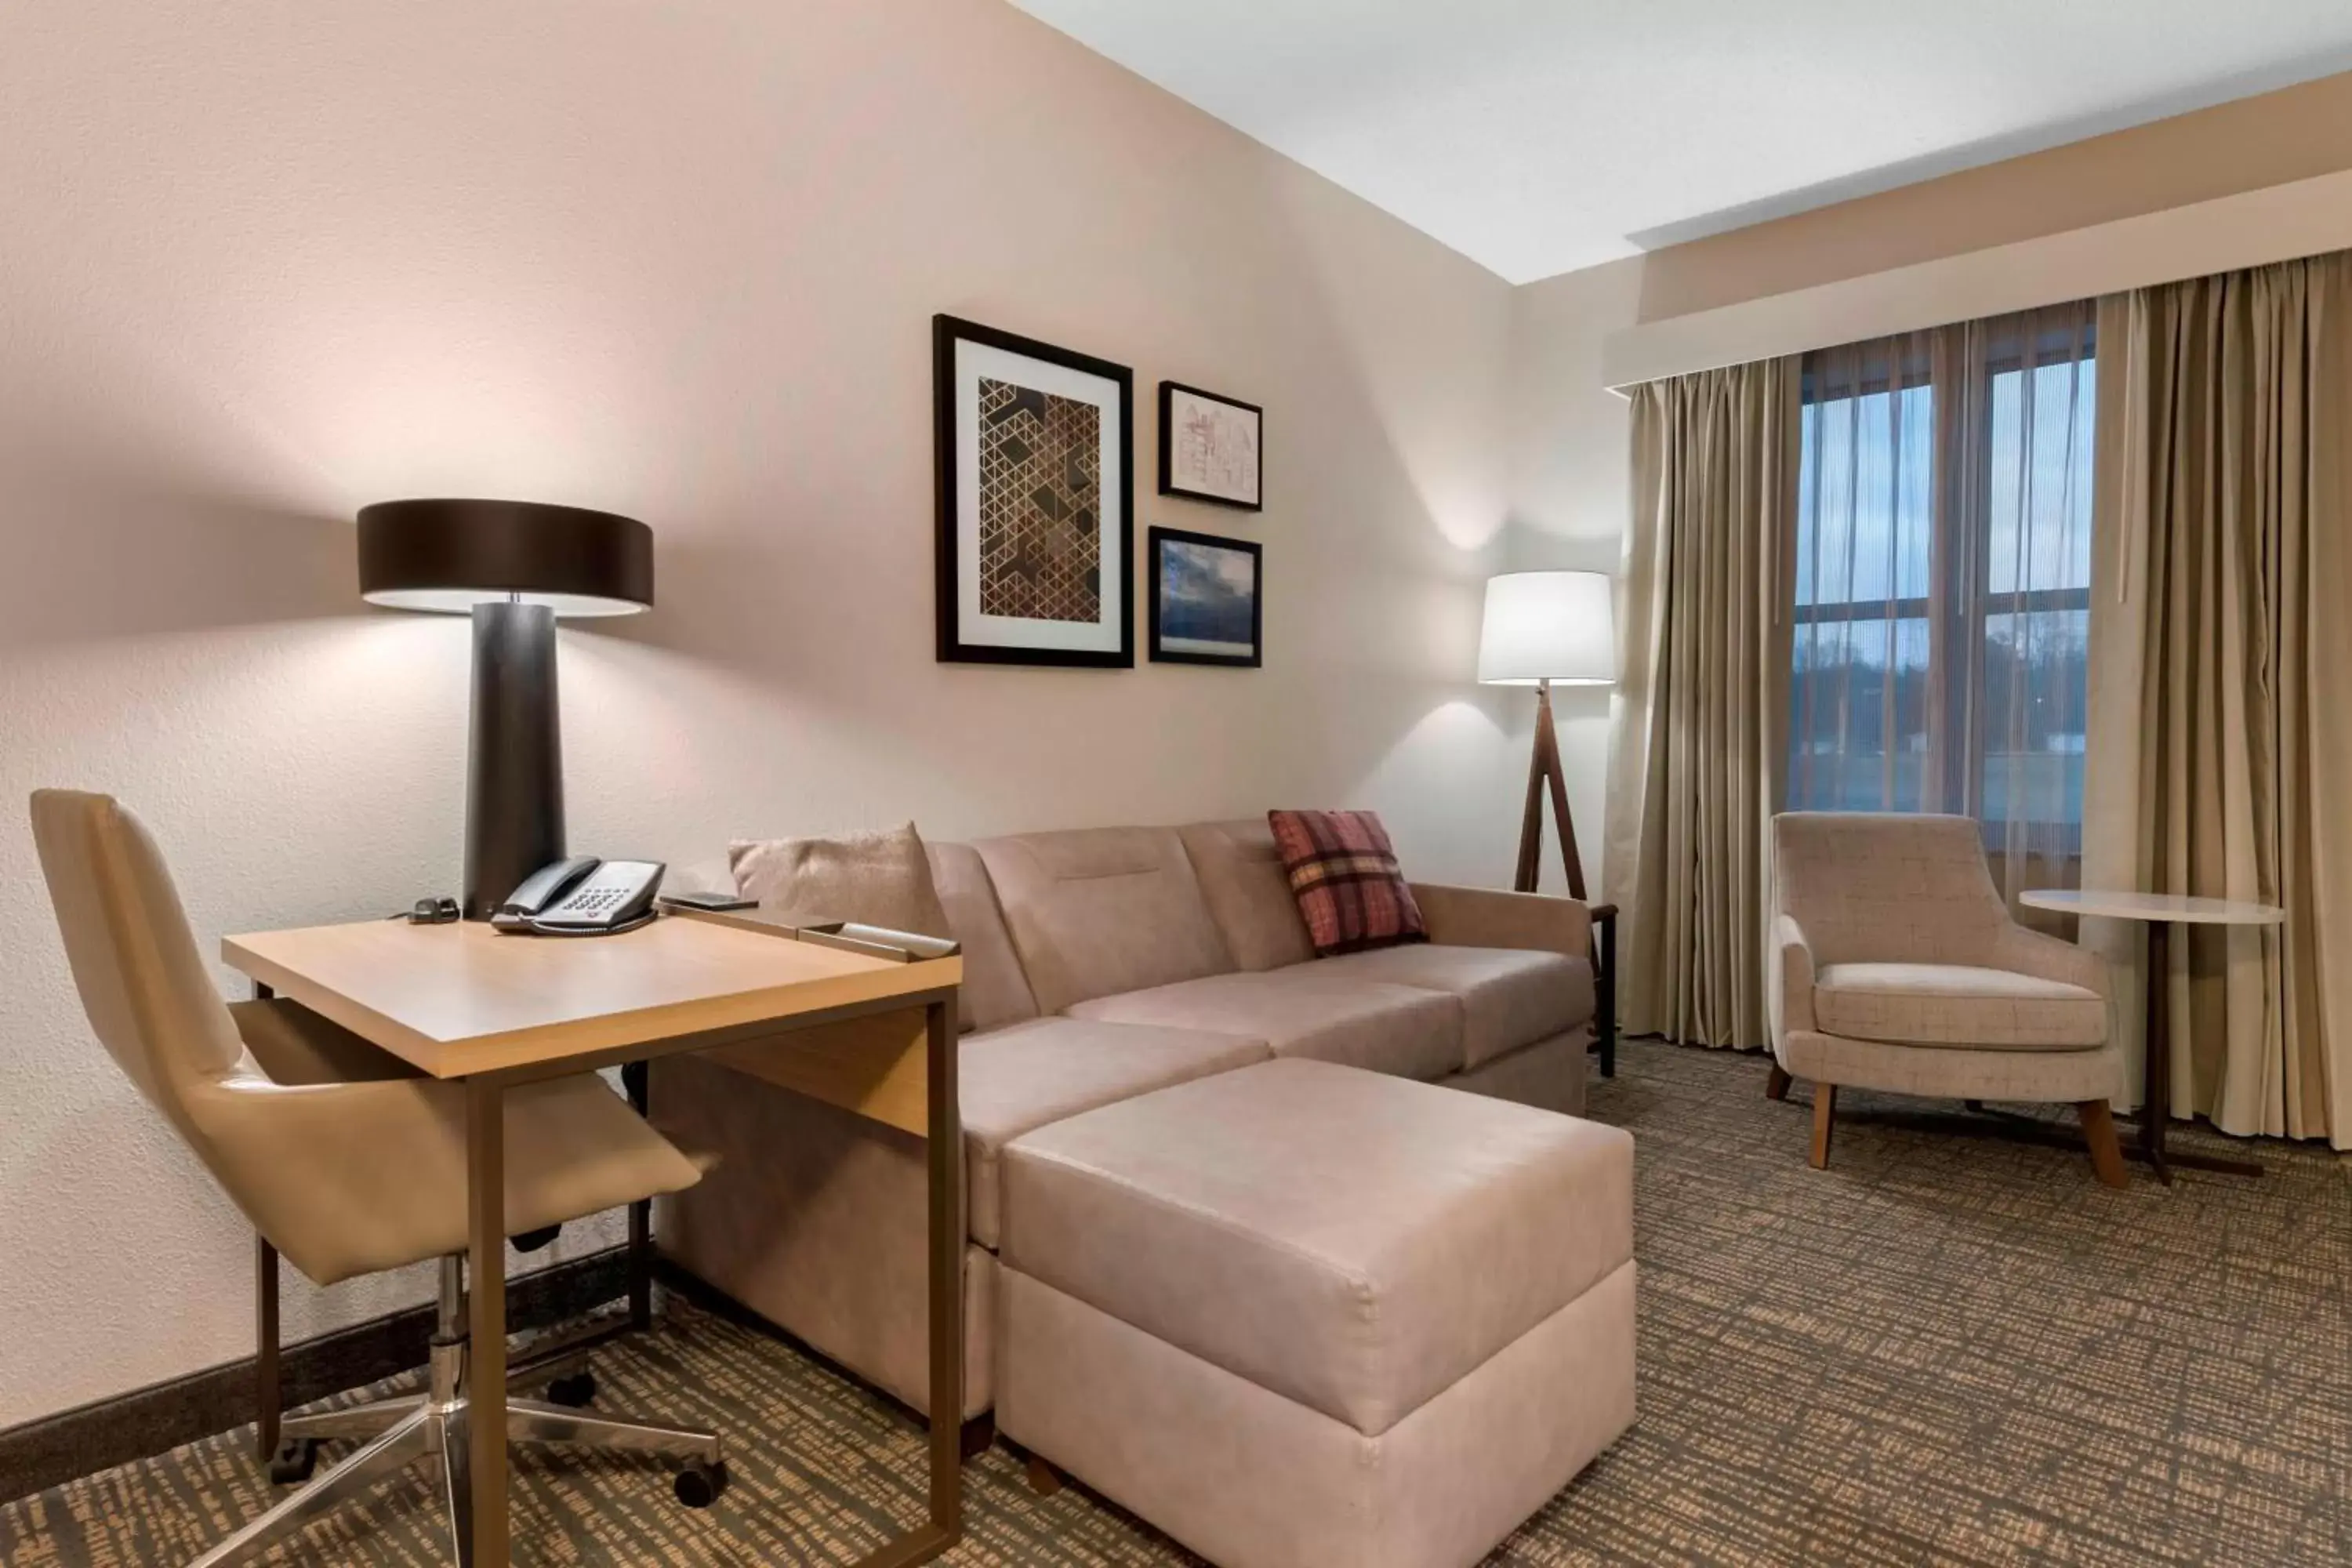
1545 775
1546 778
514 768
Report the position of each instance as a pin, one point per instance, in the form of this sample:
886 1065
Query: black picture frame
1168 484
1119 501
1160 539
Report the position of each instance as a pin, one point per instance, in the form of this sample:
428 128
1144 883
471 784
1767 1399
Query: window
1942 608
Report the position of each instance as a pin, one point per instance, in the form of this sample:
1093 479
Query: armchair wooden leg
2099 1133
1776 1086
1824 1119
1043 1478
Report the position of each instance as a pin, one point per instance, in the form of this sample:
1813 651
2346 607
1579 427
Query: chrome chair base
437 1428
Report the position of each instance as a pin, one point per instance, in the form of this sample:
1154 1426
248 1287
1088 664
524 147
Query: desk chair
347 1164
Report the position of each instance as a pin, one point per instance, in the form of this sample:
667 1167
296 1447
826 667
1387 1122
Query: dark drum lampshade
514 566
450 555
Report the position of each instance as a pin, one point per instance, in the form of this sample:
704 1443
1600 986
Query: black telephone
582 897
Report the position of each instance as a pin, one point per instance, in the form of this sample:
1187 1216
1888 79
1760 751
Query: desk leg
268 1392
635 1079
485 1350
945 1150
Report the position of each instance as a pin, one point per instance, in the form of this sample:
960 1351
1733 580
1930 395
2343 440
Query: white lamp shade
1547 626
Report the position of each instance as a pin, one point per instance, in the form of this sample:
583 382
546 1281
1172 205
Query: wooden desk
464 1003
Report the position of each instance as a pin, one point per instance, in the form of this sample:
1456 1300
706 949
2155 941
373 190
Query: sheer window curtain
1942 582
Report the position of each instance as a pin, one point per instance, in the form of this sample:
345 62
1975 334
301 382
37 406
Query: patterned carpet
1944 1350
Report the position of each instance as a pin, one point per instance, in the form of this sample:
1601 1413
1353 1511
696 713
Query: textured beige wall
1571 492
2272 139
263 263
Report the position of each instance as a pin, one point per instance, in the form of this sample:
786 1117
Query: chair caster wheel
574 1392
700 1482
295 1459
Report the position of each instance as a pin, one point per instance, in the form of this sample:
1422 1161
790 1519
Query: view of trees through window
1942 612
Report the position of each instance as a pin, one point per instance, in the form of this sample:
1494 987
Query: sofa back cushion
1248 892
877 875
1096 912
995 992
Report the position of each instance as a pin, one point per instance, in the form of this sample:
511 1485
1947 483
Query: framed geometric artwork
1206 603
1211 448
1035 446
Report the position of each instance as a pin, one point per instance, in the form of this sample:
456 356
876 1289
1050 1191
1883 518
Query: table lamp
1543 628
514 566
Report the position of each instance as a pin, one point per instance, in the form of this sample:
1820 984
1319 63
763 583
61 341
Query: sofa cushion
880 876
1017 1080
1510 996
1304 1012
995 992
1355 1243
1343 873
1248 891
1959 1005
1097 910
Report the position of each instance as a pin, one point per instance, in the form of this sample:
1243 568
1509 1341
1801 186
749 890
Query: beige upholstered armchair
1895 965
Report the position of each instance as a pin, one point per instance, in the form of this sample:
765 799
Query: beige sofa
1100 965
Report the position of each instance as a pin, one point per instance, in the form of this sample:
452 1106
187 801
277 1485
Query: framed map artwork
1211 448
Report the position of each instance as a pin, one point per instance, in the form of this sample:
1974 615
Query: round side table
2160 912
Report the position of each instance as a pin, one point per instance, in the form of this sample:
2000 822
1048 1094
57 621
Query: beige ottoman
1301 1314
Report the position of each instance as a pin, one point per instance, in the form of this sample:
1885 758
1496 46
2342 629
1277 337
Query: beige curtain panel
1701 742
2221 676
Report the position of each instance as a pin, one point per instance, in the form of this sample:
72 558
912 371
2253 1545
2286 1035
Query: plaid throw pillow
1344 875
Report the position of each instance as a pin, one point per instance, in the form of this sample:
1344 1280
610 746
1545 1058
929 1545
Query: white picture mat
1234 441
975 361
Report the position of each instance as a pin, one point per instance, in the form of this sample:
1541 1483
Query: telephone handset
582 897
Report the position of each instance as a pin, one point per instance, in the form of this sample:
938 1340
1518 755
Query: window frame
1957 623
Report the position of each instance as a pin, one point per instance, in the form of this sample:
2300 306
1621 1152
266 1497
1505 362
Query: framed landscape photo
1211 448
1206 597
1035 453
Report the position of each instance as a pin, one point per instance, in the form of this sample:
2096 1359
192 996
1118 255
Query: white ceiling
1537 136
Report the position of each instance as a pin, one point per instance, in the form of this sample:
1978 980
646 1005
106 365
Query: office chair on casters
347 1162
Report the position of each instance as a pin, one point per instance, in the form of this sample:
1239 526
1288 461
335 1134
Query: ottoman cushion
1017 1080
1354 1242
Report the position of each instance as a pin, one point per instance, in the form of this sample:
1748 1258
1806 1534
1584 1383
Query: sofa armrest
1791 977
1488 917
2023 950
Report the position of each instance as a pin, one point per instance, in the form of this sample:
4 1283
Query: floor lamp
1543 628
